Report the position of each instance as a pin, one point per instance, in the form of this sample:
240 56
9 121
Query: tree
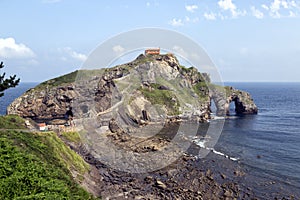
6 83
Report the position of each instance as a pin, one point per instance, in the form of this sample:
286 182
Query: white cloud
79 56
280 8
265 7
73 54
176 22
227 5
118 49
148 4
210 16
257 13
284 4
274 8
189 20
191 8
10 49
230 6
293 4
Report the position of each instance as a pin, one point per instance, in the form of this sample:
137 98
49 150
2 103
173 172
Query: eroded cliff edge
150 88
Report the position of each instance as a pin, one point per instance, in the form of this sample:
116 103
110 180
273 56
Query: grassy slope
70 78
162 97
182 96
37 166
11 122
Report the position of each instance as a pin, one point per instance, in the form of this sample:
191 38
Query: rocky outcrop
243 101
149 89
47 103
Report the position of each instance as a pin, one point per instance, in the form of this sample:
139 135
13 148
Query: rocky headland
147 81
117 111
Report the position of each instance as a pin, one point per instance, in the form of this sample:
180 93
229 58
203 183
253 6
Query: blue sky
247 40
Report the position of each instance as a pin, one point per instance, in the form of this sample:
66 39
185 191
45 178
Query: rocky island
149 79
128 116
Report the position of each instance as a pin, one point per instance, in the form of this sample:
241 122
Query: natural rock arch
243 102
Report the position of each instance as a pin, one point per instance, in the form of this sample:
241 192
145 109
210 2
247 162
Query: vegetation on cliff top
61 80
38 165
69 78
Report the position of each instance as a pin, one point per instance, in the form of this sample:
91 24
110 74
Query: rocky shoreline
189 177
213 177
186 178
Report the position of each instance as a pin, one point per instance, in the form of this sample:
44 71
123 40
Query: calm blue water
273 134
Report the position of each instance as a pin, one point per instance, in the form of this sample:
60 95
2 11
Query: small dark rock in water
258 156
223 176
239 173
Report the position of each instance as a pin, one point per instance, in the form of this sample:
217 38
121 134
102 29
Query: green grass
12 122
161 97
148 58
88 73
38 166
201 90
185 70
71 136
68 78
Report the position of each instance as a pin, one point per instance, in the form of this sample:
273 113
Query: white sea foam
201 143
217 118
226 156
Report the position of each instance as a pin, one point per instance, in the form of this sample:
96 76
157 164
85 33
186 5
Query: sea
267 144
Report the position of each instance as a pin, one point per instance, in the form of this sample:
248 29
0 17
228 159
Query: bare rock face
46 103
